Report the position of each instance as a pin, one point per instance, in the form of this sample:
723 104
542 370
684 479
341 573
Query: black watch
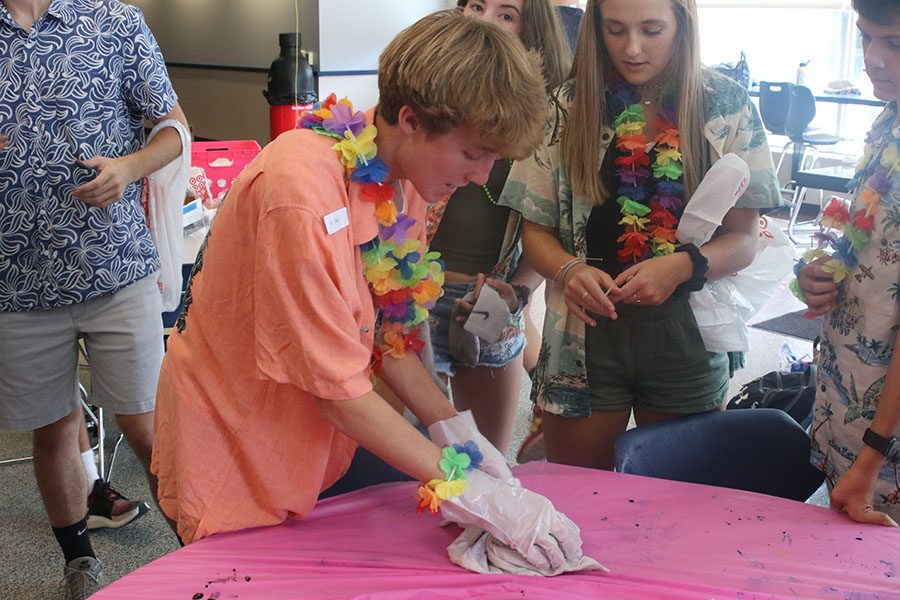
888 446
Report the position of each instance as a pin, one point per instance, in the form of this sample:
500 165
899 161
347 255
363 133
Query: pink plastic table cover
660 539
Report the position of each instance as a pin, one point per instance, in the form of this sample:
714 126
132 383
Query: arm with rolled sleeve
146 91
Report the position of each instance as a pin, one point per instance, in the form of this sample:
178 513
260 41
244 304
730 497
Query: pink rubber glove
517 517
461 429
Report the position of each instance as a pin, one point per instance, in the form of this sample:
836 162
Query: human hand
855 491
461 429
113 176
519 518
654 280
506 291
588 289
4 140
818 287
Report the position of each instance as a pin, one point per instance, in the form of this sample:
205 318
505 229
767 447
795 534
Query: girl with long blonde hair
628 140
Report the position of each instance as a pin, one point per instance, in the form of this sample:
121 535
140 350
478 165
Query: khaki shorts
122 334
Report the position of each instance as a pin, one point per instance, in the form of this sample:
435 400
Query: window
777 36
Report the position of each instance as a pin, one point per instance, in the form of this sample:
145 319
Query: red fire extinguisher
291 86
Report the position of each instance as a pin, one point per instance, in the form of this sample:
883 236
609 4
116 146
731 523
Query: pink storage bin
221 162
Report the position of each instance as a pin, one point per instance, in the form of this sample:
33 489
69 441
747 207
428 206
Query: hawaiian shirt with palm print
858 338
539 188
78 85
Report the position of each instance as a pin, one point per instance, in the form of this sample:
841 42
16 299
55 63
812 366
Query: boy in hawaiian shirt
857 414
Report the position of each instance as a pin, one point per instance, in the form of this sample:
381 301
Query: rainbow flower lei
405 279
455 461
872 181
650 223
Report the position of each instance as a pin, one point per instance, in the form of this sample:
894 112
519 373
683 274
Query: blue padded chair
760 450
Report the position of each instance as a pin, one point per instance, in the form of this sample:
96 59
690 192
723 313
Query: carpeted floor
794 324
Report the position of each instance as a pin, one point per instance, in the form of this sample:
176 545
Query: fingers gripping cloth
507 528
479 551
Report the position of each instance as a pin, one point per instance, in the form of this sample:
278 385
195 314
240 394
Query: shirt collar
362 211
5 17
62 10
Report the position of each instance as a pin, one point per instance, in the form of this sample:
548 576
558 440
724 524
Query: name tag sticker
336 221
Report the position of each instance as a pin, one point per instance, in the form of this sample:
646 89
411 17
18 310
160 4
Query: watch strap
887 446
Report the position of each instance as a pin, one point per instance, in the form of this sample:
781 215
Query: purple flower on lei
399 312
343 118
308 120
396 232
374 172
470 448
670 203
633 177
880 181
825 239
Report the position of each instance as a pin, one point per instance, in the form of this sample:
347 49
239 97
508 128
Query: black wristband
888 446
698 276
523 294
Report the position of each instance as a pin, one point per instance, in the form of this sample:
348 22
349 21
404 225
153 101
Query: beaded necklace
650 189
488 193
405 279
871 183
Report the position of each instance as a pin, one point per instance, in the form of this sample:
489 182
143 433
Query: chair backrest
802 112
762 450
774 104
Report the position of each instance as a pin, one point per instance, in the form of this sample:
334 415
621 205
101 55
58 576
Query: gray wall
228 33
228 104
347 35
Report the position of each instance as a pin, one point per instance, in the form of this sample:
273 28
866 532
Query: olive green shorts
652 357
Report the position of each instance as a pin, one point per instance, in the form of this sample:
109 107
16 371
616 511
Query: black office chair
796 126
788 109
760 450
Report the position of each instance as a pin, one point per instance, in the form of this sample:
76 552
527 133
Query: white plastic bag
723 307
774 261
167 188
719 316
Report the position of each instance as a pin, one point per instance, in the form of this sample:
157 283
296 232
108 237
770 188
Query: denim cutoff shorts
497 354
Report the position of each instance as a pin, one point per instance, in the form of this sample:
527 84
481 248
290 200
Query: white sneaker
82 577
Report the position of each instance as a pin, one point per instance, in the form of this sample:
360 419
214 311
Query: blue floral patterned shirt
78 85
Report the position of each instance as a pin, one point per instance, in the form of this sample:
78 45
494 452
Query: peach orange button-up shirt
279 314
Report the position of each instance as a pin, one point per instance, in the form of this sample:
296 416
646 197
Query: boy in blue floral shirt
77 262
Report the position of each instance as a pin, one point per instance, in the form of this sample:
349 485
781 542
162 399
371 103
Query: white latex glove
517 517
461 429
